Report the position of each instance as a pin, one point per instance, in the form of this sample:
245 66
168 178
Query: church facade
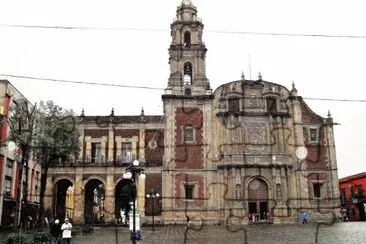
249 150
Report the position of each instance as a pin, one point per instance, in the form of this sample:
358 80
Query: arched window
187 74
187 38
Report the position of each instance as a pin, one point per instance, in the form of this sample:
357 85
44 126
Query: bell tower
187 54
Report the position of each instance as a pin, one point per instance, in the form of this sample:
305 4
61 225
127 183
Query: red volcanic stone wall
154 156
127 133
313 178
198 191
153 181
97 133
317 157
308 116
189 156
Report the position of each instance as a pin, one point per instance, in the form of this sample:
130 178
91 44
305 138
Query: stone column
81 143
332 161
103 144
79 195
88 147
49 196
110 144
141 195
109 201
142 144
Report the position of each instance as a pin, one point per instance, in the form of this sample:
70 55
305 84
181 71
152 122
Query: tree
22 120
57 140
47 132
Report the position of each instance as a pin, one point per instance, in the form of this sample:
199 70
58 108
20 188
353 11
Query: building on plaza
249 147
109 144
11 170
353 196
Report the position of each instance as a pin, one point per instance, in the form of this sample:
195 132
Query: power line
335 99
166 30
83 28
155 88
80 82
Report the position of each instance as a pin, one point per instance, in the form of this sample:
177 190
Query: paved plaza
338 233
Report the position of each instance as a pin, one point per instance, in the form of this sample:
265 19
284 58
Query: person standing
55 232
66 231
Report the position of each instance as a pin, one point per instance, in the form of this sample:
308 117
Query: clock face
301 152
152 144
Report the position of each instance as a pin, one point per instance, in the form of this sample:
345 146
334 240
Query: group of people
256 216
61 233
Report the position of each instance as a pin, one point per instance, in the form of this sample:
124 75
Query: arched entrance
63 199
94 202
123 198
258 198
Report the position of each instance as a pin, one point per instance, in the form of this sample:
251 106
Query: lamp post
133 171
153 195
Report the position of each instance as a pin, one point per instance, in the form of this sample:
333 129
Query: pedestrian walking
55 232
305 218
66 232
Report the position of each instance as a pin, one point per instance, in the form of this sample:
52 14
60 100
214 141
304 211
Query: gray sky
125 43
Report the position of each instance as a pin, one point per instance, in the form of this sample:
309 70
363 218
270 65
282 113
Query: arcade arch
63 200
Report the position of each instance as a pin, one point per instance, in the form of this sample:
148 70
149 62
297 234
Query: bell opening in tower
187 74
187 39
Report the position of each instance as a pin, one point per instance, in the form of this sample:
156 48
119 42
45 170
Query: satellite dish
12 146
301 152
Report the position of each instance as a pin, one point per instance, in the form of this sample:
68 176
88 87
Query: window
313 134
7 187
9 168
233 104
271 105
127 152
8 177
189 191
343 197
188 135
317 189
96 149
36 186
187 39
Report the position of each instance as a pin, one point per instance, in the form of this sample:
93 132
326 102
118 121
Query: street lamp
133 171
153 195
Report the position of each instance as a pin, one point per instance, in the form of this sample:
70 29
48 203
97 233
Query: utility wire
166 30
154 88
336 100
81 82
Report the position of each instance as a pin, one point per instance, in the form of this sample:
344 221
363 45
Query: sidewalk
338 233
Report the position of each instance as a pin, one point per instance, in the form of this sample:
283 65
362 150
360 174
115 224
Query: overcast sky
320 45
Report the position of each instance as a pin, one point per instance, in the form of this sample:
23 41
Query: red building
353 196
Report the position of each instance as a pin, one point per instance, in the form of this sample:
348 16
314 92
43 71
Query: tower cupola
187 54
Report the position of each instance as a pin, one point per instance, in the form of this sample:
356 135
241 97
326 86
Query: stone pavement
338 233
